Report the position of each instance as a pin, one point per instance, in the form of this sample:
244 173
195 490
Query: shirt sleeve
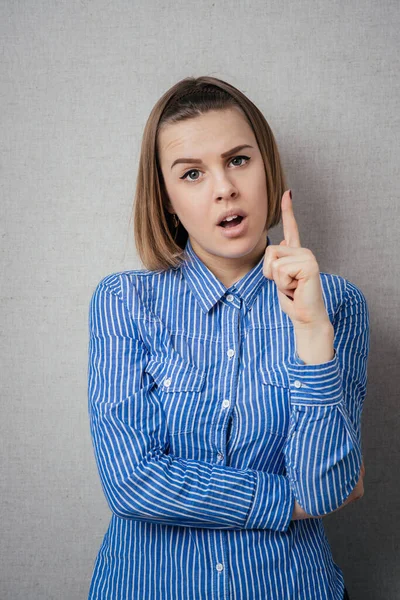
141 479
323 450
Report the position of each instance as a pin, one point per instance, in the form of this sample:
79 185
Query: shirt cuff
273 503
315 385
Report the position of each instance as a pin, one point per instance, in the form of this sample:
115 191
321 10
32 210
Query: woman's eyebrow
199 161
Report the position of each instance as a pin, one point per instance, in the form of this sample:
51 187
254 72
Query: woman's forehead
217 130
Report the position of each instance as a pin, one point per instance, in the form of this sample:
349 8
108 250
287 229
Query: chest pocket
179 387
276 398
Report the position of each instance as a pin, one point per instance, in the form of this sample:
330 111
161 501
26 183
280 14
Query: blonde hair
159 243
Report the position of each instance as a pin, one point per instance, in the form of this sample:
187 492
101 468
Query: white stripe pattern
206 427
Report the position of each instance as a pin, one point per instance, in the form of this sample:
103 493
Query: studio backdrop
78 80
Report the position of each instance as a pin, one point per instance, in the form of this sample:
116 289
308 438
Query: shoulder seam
117 292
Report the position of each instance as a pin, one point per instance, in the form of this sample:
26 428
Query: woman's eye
188 172
242 157
246 158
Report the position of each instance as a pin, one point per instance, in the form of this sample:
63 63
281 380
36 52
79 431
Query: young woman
227 379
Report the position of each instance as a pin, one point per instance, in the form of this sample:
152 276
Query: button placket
232 327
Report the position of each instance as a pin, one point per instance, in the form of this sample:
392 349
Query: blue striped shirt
207 425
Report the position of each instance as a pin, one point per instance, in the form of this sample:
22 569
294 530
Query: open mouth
231 223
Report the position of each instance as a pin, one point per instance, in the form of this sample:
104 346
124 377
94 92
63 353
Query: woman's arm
141 479
323 450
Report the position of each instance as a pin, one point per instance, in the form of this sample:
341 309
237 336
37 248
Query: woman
227 380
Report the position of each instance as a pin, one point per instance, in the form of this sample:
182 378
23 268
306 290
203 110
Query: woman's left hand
296 274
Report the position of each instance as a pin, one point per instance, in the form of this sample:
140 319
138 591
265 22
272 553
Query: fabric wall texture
78 80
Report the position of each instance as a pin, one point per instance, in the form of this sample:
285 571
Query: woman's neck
231 270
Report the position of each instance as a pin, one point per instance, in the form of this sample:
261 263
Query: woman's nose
224 188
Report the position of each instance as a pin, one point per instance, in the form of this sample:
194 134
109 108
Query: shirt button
225 403
230 352
220 456
219 567
167 382
297 383
229 297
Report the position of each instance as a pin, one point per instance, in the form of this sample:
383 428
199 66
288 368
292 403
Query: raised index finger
290 229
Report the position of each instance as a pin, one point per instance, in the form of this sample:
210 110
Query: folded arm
141 479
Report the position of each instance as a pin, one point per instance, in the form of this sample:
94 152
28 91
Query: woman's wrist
314 345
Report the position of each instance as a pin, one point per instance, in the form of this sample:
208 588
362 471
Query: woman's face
202 185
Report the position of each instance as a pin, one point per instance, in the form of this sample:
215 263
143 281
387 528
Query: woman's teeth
231 221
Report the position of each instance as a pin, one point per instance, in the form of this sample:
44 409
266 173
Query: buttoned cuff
273 503
319 385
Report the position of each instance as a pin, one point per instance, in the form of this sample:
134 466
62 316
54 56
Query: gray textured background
78 80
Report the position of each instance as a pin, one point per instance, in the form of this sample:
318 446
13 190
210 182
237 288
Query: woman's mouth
233 227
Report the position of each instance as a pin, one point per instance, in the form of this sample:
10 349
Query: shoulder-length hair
159 243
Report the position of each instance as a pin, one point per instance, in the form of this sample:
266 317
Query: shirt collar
208 289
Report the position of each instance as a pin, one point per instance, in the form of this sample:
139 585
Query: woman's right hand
357 493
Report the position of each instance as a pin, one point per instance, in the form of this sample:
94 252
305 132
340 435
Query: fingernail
290 194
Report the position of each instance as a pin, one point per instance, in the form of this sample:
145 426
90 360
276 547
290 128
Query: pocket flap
174 376
275 375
